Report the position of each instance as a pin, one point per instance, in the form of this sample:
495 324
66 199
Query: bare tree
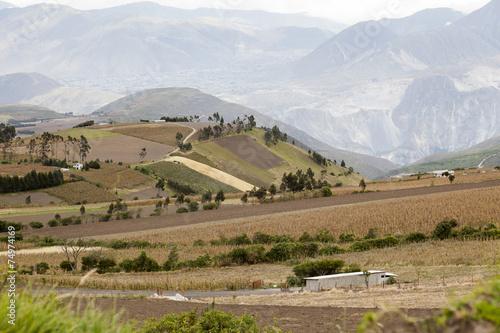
73 250
142 153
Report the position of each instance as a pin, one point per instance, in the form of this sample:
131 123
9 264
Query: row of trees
301 180
48 143
31 181
274 135
237 125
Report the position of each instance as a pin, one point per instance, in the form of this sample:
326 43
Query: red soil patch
122 148
250 151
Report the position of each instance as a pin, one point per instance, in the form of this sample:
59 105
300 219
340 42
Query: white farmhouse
356 279
78 166
439 173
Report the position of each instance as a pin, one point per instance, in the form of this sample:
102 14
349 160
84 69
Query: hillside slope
156 103
21 112
485 154
247 157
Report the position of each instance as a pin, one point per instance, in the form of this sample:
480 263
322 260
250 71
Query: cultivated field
184 175
112 175
164 133
37 198
81 192
23 169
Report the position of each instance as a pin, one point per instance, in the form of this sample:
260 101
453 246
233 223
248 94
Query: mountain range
398 89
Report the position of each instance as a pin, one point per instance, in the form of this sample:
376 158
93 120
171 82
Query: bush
200 262
329 250
52 223
181 210
66 266
444 228
326 191
262 238
368 244
324 236
193 206
294 281
415 237
199 242
105 265
42 267
347 238
65 221
318 268
118 244
239 240
36 225
209 321
4 226
140 264
285 251
210 206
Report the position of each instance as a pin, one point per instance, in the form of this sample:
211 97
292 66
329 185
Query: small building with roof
355 279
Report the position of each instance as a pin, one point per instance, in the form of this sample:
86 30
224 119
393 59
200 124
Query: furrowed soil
232 212
290 318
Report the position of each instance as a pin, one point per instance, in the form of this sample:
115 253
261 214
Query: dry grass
468 176
116 176
404 215
81 192
162 133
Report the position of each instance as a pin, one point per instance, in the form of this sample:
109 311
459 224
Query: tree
84 148
82 210
451 178
244 198
220 197
342 164
362 184
73 250
160 184
7 134
178 136
28 200
206 197
272 189
142 153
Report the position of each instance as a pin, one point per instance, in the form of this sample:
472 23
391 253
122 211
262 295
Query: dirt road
105 230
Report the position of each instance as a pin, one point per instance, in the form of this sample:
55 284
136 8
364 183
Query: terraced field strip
212 173
229 212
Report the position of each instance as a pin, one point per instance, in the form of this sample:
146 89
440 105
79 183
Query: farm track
106 230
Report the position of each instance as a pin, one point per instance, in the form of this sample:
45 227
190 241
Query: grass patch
184 175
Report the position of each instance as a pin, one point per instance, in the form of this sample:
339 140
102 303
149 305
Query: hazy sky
344 11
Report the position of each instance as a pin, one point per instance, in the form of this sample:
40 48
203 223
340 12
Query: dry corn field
391 216
162 133
116 176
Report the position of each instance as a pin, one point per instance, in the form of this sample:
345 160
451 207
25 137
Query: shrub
118 244
42 267
140 264
66 221
326 191
210 206
193 206
239 240
140 244
305 238
181 210
52 223
347 238
444 228
36 225
173 258
324 236
368 244
261 238
318 268
199 242
5 225
329 250
66 266
415 237
105 265
294 281
209 321
239 256
200 262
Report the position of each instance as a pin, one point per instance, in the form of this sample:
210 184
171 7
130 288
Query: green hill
247 157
